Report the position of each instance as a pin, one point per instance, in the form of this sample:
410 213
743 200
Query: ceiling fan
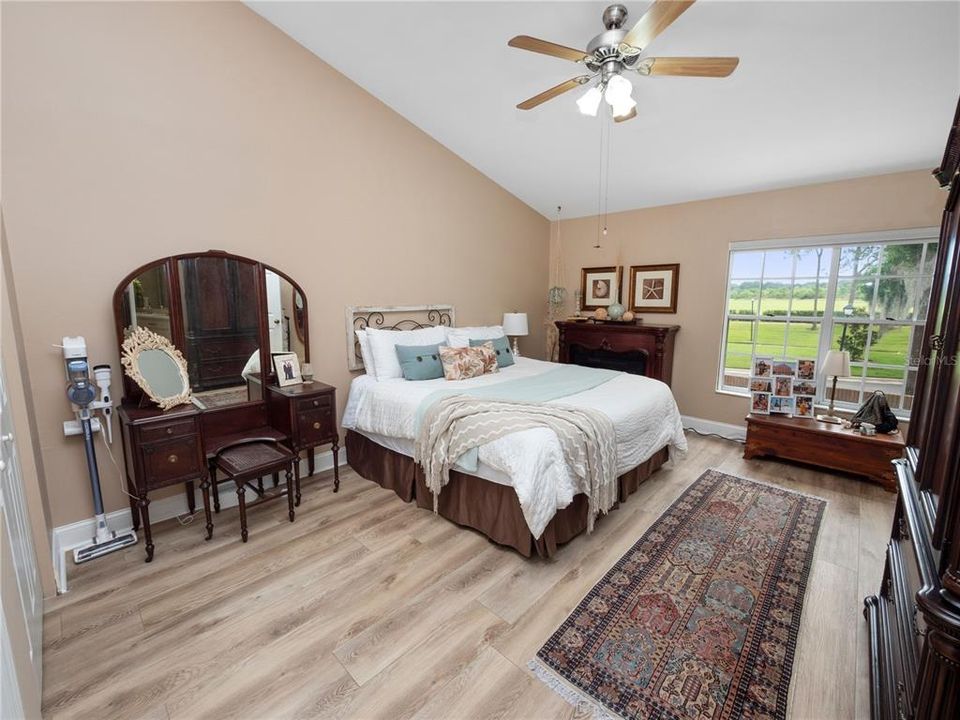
617 50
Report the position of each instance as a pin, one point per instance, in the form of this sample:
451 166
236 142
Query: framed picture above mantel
653 288
600 286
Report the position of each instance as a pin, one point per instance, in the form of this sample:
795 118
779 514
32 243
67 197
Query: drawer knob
169 431
316 403
316 426
172 459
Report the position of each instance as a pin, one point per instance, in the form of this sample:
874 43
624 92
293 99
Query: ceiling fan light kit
616 51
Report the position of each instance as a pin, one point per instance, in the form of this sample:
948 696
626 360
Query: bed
521 492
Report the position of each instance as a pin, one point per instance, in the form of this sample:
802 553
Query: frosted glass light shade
589 102
515 324
618 91
836 364
622 108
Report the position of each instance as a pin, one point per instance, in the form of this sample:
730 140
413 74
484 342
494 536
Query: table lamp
515 325
835 364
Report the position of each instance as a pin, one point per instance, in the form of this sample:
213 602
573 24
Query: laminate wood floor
368 607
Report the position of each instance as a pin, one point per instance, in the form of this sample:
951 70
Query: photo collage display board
783 387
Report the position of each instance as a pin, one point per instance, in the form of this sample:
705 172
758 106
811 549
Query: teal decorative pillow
501 346
420 362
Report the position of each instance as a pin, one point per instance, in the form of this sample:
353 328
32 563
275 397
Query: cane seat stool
215 445
250 460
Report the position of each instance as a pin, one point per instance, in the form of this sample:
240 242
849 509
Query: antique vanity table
226 315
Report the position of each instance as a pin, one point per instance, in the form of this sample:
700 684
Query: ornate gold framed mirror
157 367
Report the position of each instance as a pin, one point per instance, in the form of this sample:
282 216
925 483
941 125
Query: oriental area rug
699 619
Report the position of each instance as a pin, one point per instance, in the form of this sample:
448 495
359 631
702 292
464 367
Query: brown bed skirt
489 507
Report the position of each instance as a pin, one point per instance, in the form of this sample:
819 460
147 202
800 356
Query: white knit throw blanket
459 423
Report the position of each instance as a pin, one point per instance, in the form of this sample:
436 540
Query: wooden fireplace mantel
653 343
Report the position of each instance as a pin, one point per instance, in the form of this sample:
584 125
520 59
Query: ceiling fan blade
655 21
525 42
553 92
692 66
630 116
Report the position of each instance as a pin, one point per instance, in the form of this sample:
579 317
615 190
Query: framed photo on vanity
653 288
600 287
287 366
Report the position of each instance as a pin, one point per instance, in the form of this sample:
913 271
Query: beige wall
133 131
697 235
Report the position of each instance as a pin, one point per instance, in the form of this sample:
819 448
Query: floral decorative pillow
488 354
468 362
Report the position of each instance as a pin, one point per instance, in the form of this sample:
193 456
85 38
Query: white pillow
461 337
365 353
383 345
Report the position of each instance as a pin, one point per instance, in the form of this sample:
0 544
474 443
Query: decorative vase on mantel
556 296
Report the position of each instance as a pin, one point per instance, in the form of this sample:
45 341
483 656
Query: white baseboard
726 430
67 537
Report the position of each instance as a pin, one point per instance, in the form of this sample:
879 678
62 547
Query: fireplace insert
629 361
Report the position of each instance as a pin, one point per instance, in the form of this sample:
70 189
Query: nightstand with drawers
307 414
161 448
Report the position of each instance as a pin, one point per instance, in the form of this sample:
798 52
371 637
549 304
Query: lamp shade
836 364
515 324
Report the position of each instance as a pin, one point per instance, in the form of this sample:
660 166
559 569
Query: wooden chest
825 445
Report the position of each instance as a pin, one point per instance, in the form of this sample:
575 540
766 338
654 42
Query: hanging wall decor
653 288
600 286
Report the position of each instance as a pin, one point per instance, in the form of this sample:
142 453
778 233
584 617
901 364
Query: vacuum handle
91 453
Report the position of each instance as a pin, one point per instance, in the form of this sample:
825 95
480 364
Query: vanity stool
249 460
215 444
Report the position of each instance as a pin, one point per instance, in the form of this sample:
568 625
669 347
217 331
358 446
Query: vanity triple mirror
225 314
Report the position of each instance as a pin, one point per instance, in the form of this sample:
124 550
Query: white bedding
643 412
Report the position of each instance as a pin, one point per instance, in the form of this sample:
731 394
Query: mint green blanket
551 385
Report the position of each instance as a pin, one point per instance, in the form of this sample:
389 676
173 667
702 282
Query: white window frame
885 237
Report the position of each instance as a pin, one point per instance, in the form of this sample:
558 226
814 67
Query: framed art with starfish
653 288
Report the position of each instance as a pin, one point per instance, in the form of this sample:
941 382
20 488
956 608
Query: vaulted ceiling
824 91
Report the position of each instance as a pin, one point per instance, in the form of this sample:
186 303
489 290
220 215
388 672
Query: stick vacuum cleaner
83 393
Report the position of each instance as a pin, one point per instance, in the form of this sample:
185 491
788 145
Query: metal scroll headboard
400 317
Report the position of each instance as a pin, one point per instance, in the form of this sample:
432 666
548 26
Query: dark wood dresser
635 348
914 619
